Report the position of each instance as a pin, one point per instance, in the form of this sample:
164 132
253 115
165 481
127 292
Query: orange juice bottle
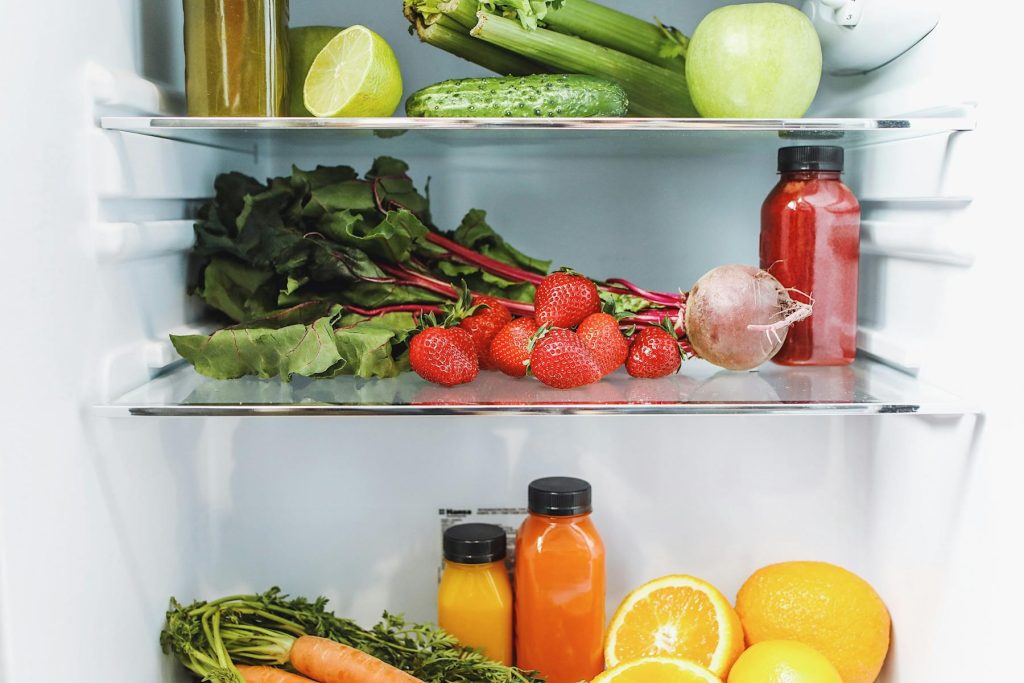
560 584
474 601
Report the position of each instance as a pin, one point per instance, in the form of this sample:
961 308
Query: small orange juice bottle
474 601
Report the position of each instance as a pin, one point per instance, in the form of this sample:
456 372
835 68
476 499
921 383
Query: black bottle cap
817 158
474 543
560 497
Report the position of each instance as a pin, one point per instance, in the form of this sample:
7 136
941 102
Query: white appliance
117 490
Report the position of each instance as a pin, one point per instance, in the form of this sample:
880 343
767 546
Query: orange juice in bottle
560 584
474 601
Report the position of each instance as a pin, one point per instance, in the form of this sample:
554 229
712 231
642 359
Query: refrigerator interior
103 518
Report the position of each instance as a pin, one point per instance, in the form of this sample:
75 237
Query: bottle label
508 518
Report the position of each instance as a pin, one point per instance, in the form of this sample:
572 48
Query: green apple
304 44
759 60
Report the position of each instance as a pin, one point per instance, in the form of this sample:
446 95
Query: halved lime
304 44
356 74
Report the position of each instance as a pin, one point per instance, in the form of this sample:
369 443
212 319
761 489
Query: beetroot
737 317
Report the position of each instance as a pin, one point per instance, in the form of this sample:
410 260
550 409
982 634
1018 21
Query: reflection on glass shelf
396 123
644 135
863 388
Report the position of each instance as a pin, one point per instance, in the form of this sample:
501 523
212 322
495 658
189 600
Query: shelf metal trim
152 124
478 410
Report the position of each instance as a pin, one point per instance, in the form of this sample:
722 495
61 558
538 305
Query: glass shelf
645 136
865 388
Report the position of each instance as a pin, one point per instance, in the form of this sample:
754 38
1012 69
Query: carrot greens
211 638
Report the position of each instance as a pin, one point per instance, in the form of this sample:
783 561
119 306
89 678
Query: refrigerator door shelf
858 36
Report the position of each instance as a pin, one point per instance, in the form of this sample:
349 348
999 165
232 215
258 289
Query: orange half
676 616
658 670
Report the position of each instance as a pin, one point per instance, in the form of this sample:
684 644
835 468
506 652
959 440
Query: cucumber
536 96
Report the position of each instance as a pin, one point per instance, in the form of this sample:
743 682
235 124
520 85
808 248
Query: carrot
329 662
269 674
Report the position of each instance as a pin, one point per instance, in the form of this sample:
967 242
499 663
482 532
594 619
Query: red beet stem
519 275
408 277
492 266
654 318
415 309
656 297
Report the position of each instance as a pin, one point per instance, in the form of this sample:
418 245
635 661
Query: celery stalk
421 10
653 91
447 34
619 31
528 12
462 11
592 21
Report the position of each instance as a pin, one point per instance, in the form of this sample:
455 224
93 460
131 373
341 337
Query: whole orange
827 607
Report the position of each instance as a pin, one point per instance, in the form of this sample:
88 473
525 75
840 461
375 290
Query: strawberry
564 299
444 355
484 324
510 348
560 360
600 333
654 353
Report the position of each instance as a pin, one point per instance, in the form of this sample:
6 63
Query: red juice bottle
810 241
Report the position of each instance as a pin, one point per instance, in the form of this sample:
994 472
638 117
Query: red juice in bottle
810 242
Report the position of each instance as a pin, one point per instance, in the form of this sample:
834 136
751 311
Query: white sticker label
508 519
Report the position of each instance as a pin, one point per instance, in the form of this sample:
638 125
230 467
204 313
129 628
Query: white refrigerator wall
102 520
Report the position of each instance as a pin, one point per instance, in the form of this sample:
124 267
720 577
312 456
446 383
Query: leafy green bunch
210 638
324 272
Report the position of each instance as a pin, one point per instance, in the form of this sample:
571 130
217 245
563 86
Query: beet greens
324 273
